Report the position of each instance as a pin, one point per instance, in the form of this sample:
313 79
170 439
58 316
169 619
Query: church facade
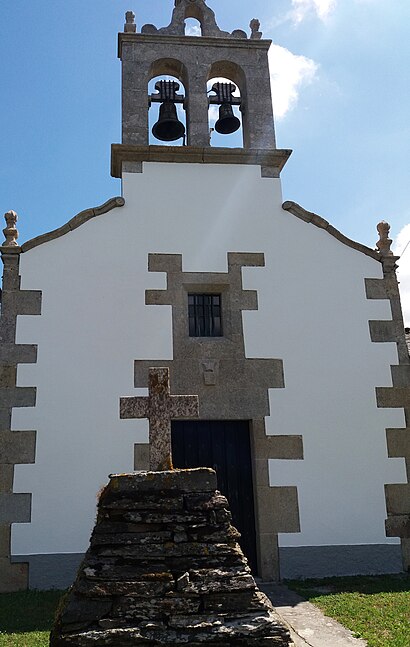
290 333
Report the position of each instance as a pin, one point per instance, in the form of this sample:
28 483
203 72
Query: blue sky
341 78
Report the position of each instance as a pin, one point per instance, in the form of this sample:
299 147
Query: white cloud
302 8
192 29
289 73
401 247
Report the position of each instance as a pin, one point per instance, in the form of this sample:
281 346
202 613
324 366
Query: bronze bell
227 122
168 127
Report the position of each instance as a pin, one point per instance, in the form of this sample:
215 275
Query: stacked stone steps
164 568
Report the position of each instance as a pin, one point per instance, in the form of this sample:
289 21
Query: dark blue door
223 445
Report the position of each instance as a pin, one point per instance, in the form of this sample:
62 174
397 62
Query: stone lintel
202 479
274 158
156 39
398 498
15 508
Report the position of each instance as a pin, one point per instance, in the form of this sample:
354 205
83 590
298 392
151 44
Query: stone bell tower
194 61
233 388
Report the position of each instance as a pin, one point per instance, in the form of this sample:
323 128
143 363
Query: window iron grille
204 312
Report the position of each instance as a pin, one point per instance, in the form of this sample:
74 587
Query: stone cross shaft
160 407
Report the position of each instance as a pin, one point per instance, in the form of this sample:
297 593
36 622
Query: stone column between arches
229 385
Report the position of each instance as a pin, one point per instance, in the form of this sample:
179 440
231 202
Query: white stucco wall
312 313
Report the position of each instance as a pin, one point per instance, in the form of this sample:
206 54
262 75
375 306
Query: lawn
26 618
376 609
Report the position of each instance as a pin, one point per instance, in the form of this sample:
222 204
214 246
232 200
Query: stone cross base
164 568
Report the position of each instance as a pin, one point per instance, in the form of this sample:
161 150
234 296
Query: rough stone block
401 375
28 302
246 259
392 397
141 457
18 353
15 508
278 510
375 289
6 479
165 262
19 396
14 577
398 526
398 498
382 331
157 298
278 447
17 447
8 374
5 540
398 442
269 557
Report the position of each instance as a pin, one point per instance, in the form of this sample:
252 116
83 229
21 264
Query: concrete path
309 627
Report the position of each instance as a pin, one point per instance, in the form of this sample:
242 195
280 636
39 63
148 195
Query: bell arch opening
223 117
193 27
167 91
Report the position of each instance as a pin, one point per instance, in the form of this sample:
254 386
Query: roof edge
74 223
308 216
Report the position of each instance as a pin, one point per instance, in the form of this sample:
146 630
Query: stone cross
160 407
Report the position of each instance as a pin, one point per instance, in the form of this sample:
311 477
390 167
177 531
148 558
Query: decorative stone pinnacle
130 26
10 232
160 407
255 26
384 242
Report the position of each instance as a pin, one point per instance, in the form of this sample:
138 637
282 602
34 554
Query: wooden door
223 445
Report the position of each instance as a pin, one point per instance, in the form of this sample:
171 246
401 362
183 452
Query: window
204 311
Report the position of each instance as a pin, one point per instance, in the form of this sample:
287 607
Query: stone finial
130 26
10 232
384 242
255 26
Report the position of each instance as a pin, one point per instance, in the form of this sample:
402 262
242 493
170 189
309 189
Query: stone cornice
203 41
72 224
120 153
318 221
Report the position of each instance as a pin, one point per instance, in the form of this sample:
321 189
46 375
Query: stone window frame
210 288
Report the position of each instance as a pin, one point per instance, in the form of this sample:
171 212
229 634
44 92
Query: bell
227 122
168 127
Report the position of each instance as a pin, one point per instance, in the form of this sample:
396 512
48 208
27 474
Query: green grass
376 609
26 618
